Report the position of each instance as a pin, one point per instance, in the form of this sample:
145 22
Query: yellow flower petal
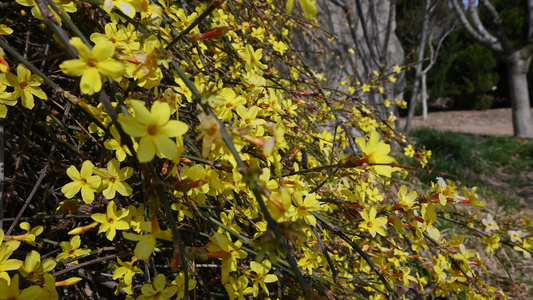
73 67
103 50
87 194
70 189
141 112
90 81
146 150
73 173
160 113
131 126
166 146
113 69
83 51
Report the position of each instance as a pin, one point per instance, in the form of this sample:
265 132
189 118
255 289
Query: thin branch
481 36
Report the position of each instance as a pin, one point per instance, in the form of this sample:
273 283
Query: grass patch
501 167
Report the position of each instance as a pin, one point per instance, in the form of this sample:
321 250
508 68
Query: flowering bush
200 143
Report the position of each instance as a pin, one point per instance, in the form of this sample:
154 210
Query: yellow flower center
83 181
110 220
212 130
152 129
112 180
23 84
92 62
33 276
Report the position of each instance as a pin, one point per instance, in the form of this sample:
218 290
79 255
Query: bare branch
499 25
478 32
363 21
530 15
392 16
435 52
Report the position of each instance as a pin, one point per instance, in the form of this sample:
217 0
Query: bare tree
436 26
418 67
368 27
517 59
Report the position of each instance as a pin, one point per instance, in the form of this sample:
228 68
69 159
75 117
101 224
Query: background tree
437 23
516 53
358 39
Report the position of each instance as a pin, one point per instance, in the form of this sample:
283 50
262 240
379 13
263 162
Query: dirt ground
487 122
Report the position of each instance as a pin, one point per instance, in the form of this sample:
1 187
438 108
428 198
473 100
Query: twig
87 263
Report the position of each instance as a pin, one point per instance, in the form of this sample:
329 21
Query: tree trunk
418 68
517 67
424 92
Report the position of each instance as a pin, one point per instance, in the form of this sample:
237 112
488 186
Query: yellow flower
252 58
124 5
5 97
181 18
406 199
84 181
492 242
490 224
261 276
371 223
146 243
516 235
112 220
249 116
113 179
26 86
29 236
156 290
33 269
280 47
155 130
66 6
49 291
409 151
10 290
6 264
397 69
230 103
304 207
4 30
211 134
121 149
92 64
180 283
135 217
126 271
223 248
309 261
239 288
376 153
183 210
71 249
